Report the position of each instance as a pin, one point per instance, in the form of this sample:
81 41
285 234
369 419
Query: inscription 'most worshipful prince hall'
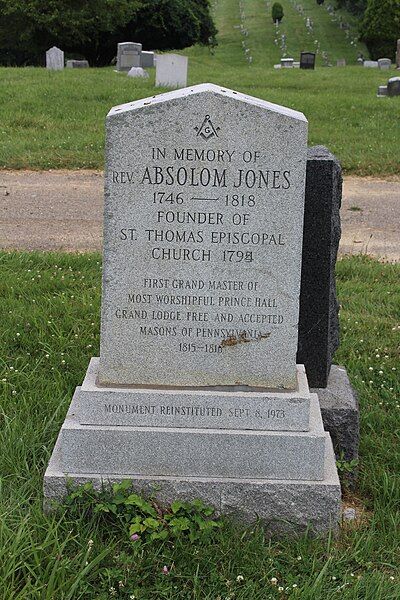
204 210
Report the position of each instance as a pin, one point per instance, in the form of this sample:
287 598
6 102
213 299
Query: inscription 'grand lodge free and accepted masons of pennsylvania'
204 206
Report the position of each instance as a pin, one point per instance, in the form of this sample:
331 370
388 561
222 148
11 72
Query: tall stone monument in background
196 393
54 59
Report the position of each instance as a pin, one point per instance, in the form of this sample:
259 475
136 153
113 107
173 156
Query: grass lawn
54 120
50 309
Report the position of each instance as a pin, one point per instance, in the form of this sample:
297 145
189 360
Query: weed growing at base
50 307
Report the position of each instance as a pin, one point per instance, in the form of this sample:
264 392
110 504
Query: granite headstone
54 59
307 60
171 70
196 392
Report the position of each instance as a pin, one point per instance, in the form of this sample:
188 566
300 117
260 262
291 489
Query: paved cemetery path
62 210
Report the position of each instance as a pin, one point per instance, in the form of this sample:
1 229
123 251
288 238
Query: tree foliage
92 29
381 28
355 7
277 12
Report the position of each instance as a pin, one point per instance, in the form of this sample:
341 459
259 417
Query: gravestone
287 63
171 70
384 64
137 72
393 86
398 55
318 317
370 64
147 59
77 64
54 59
382 91
341 62
197 393
128 55
307 60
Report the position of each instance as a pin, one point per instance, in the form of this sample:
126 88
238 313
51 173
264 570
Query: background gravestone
393 86
171 70
197 392
128 55
147 59
384 64
307 60
398 55
77 64
54 59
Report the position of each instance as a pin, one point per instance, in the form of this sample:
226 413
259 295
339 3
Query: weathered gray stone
197 318
147 59
128 55
171 70
195 452
199 336
216 408
341 413
287 63
54 59
382 91
384 64
370 64
77 64
137 72
284 507
318 319
341 62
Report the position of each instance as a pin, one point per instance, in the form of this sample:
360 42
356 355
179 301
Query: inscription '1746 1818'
203 233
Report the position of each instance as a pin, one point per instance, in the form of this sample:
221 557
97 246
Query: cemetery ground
50 309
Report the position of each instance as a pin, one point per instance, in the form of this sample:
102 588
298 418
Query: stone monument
398 55
54 59
171 70
128 55
307 60
196 393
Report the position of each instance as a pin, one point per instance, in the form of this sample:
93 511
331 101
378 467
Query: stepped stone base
283 506
250 454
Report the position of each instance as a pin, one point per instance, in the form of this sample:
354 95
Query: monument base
340 413
251 455
283 506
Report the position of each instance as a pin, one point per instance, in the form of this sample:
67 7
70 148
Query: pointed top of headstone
206 88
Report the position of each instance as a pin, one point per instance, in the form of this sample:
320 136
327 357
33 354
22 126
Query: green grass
50 309
55 120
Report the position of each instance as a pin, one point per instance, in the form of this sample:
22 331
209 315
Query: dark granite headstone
318 318
307 60
393 86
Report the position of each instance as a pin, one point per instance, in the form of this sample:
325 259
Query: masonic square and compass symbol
207 129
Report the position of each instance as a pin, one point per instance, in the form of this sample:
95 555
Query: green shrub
277 12
381 28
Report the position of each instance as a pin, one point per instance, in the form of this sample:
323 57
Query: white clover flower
239 578
274 580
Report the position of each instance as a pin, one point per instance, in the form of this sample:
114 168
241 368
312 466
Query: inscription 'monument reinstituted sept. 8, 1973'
203 234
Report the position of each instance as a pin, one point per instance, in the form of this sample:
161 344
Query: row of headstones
307 61
392 88
55 61
171 69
